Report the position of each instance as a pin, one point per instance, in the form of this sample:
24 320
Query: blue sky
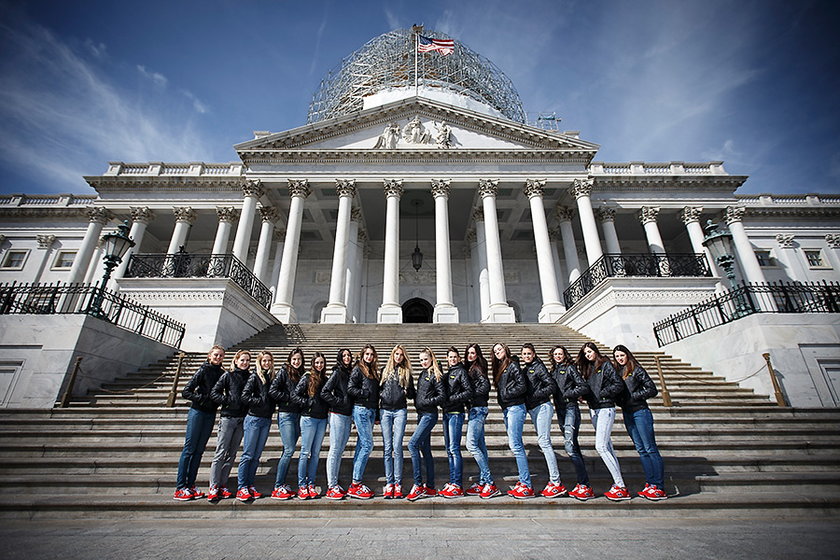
752 83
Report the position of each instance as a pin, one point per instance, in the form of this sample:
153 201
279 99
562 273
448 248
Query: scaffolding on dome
387 61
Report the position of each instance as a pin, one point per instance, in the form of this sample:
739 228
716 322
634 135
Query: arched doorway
417 310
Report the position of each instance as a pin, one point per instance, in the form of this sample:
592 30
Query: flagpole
416 51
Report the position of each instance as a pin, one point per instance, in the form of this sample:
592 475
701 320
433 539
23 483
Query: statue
443 136
389 137
415 133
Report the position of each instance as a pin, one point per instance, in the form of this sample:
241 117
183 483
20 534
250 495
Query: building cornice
210 183
402 156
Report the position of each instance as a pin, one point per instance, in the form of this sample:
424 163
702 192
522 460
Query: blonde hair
434 367
266 374
392 369
215 347
236 357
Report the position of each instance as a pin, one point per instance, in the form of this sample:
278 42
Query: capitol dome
383 70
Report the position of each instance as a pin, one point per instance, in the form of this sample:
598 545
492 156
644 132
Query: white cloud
198 105
98 50
393 20
157 78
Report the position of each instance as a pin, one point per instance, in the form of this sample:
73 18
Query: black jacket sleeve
410 391
328 392
356 385
611 385
515 385
251 394
461 391
544 384
578 386
220 391
644 388
193 390
300 394
481 387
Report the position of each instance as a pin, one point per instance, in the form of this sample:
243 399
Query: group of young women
359 392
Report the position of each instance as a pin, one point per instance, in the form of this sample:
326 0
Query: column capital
555 234
582 187
393 187
345 187
691 214
833 240
534 187
471 236
356 214
648 214
564 213
142 214
279 235
184 214
785 240
45 241
605 214
734 214
299 187
488 187
478 214
268 213
252 187
99 214
227 213
440 187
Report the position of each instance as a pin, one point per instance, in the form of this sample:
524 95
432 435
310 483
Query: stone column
45 242
500 311
570 253
445 311
390 310
351 270
252 190
833 241
786 253
360 303
227 215
96 267
607 217
483 273
552 309
554 235
690 216
141 216
582 190
647 215
336 309
282 308
279 236
98 216
750 269
267 216
184 218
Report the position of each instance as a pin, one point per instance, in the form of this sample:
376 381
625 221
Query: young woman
540 388
200 420
341 416
363 387
638 420
431 393
228 393
604 386
257 424
288 418
395 388
313 424
570 387
476 365
458 393
510 392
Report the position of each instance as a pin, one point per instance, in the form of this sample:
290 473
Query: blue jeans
312 432
421 442
571 428
364 419
256 434
199 427
639 425
339 434
476 443
541 417
514 424
393 431
453 425
289 425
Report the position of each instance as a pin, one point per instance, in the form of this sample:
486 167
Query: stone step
817 481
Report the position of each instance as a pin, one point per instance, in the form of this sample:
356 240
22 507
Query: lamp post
114 246
719 243
416 256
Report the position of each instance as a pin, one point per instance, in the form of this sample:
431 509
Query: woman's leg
571 428
514 424
386 422
363 418
541 417
289 426
400 418
307 436
339 434
603 419
317 443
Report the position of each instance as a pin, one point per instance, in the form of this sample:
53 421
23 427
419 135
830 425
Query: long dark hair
479 365
316 378
372 371
632 362
499 366
567 358
339 363
295 373
585 367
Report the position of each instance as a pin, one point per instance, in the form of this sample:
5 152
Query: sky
754 83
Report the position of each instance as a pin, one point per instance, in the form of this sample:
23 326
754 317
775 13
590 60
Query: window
14 260
814 258
64 259
764 258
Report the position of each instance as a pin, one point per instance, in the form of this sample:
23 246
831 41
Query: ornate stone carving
605 214
478 214
184 214
99 214
45 241
345 187
440 187
299 188
488 187
582 187
393 187
734 214
648 214
389 138
691 214
833 240
534 187
554 234
564 214
142 214
252 188
471 236
415 133
227 213
356 215
2 239
268 213
785 240
279 235
443 136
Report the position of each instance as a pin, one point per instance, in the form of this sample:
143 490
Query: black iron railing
746 299
646 264
189 265
87 299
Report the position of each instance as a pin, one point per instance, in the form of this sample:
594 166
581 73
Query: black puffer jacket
570 386
459 390
481 387
392 396
255 395
638 388
314 407
200 387
228 393
363 390
510 390
281 392
605 385
431 393
335 392
541 385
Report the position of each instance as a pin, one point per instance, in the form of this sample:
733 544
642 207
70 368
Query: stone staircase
114 452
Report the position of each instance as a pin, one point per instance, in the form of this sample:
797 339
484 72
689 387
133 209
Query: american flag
444 46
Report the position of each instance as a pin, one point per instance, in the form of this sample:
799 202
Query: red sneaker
388 491
359 491
282 493
243 495
214 494
452 491
617 493
553 490
645 489
182 495
313 493
303 493
335 493
430 491
254 494
417 492
582 493
489 491
397 493
653 493
196 494
474 490
512 488
522 492
225 492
